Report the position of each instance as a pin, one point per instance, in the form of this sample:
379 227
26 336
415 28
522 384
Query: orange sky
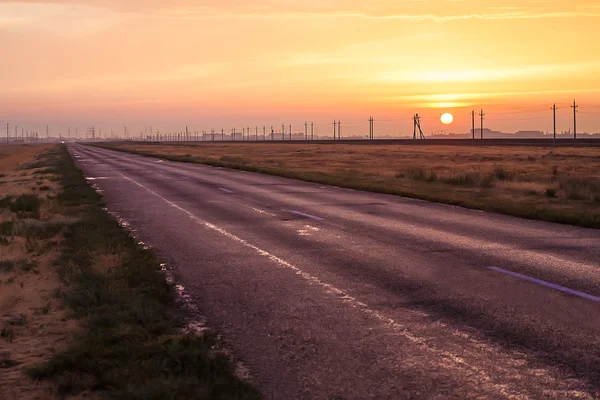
213 64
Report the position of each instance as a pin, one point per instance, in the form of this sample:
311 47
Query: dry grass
34 322
561 185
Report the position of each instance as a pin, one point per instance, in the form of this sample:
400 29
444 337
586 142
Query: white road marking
444 355
262 212
547 284
307 215
226 190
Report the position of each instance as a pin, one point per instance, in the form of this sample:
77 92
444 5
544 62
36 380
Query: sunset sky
226 63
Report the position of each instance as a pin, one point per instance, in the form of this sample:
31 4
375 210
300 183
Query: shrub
6 228
580 189
29 203
6 201
462 179
551 192
501 174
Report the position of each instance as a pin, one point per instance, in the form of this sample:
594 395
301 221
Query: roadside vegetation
95 304
558 185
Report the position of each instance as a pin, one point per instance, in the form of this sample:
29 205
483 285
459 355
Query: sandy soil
33 319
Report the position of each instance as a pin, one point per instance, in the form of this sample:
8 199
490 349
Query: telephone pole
334 127
305 130
574 107
371 129
290 132
264 133
482 114
473 125
554 123
47 132
282 131
312 131
7 131
340 130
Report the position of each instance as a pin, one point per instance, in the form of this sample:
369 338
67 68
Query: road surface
331 293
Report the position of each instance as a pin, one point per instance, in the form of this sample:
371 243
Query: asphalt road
330 293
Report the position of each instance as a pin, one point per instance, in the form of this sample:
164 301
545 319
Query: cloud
485 75
58 18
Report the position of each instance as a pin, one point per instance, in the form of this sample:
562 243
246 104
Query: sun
447 118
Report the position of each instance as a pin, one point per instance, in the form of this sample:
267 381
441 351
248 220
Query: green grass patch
7 363
132 346
6 201
7 333
7 266
21 320
6 228
28 203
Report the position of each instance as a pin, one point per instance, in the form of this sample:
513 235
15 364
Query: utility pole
312 131
290 132
282 131
554 124
574 107
7 131
334 128
305 130
371 128
482 114
473 125
264 133
272 133
417 125
340 130
256 133
47 132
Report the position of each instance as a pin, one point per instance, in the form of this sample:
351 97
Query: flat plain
546 183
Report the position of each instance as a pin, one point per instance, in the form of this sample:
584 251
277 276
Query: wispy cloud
544 71
58 18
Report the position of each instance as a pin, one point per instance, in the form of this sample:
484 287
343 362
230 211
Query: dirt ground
34 323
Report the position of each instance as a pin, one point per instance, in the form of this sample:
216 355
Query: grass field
84 310
558 185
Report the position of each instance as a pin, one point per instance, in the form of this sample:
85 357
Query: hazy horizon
209 66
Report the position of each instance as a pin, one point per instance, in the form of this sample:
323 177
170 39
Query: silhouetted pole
481 114
256 134
554 124
574 106
264 133
334 125
290 131
339 130
473 125
312 131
